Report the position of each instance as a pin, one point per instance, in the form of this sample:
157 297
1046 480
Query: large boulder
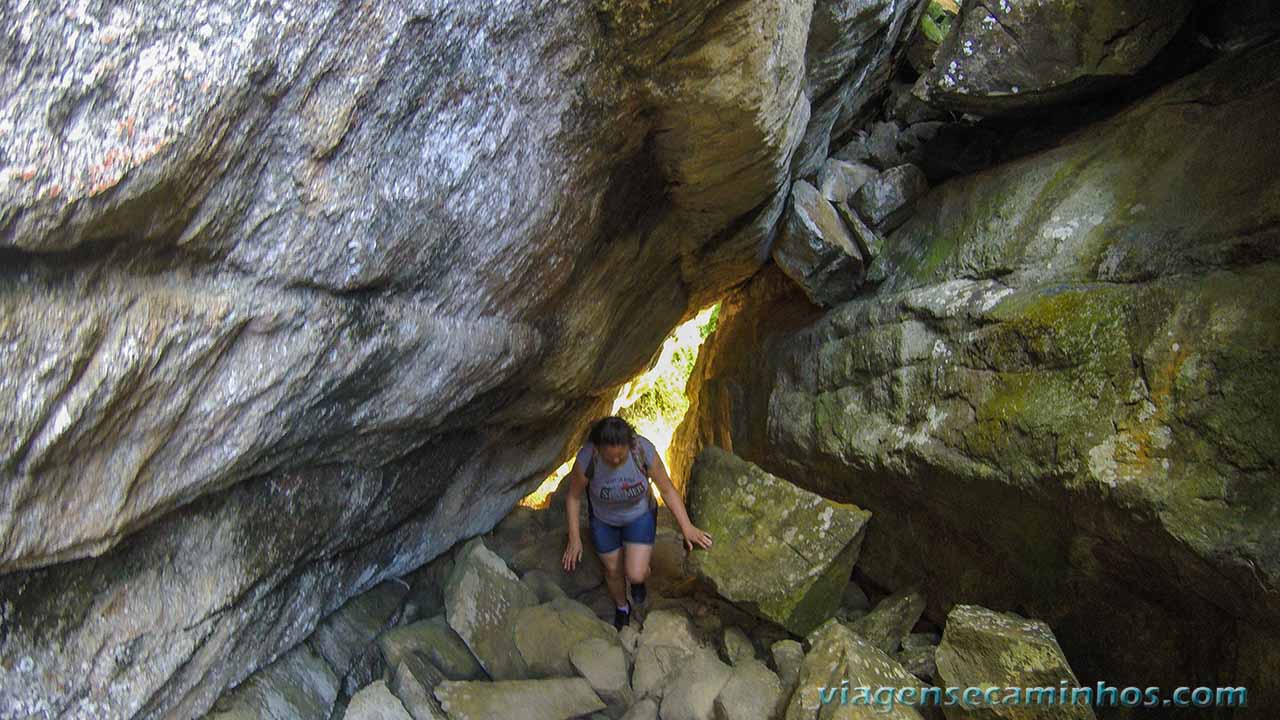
780 551
839 179
646 709
919 661
482 601
345 638
414 680
544 699
1006 56
1057 397
788 656
604 664
890 621
691 694
838 659
817 250
436 642
665 645
546 634
544 554
299 684
887 199
270 317
753 692
736 646
984 648
375 701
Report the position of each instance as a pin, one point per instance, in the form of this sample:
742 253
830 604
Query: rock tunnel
299 301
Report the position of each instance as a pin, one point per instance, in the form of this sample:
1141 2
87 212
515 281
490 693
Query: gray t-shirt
619 494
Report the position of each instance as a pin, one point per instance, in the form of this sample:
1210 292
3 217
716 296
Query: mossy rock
780 551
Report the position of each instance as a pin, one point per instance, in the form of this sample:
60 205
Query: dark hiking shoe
621 618
639 593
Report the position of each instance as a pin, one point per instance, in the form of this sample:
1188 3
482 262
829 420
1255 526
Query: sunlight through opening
653 402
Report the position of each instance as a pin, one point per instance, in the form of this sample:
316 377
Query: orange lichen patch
55 190
28 173
125 127
103 186
111 157
148 153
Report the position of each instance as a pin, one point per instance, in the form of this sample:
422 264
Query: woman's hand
693 535
572 554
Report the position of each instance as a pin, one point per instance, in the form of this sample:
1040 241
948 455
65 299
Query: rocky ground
496 628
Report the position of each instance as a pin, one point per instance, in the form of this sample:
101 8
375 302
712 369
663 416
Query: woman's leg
637 542
613 576
608 542
637 561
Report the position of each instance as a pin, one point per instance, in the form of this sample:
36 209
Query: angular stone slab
546 634
343 637
779 551
691 695
982 647
886 200
816 250
482 596
1009 55
604 665
840 179
891 620
414 681
376 702
299 684
752 693
545 699
838 658
435 641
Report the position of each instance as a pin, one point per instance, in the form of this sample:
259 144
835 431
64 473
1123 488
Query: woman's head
612 437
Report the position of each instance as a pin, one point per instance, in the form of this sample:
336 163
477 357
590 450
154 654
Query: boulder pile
767 624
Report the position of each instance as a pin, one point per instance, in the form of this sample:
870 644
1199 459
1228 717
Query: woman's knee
638 575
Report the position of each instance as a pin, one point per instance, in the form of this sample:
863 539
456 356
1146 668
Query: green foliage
712 322
664 398
661 399
936 22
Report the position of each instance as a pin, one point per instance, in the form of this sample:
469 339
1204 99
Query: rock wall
1057 399
295 296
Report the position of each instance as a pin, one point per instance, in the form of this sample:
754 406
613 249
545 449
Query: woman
623 513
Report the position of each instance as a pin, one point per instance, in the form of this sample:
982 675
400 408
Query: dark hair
611 430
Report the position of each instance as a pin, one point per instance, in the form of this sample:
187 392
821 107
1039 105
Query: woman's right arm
572 507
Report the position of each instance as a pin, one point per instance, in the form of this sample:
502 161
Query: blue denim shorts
608 538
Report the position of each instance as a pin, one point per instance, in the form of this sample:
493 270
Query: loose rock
481 599
982 647
816 250
886 200
781 551
546 699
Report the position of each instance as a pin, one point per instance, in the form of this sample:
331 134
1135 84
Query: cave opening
654 401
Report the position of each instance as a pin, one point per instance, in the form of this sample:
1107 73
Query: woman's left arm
675 503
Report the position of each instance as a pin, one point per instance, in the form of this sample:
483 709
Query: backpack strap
590 471
638 454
